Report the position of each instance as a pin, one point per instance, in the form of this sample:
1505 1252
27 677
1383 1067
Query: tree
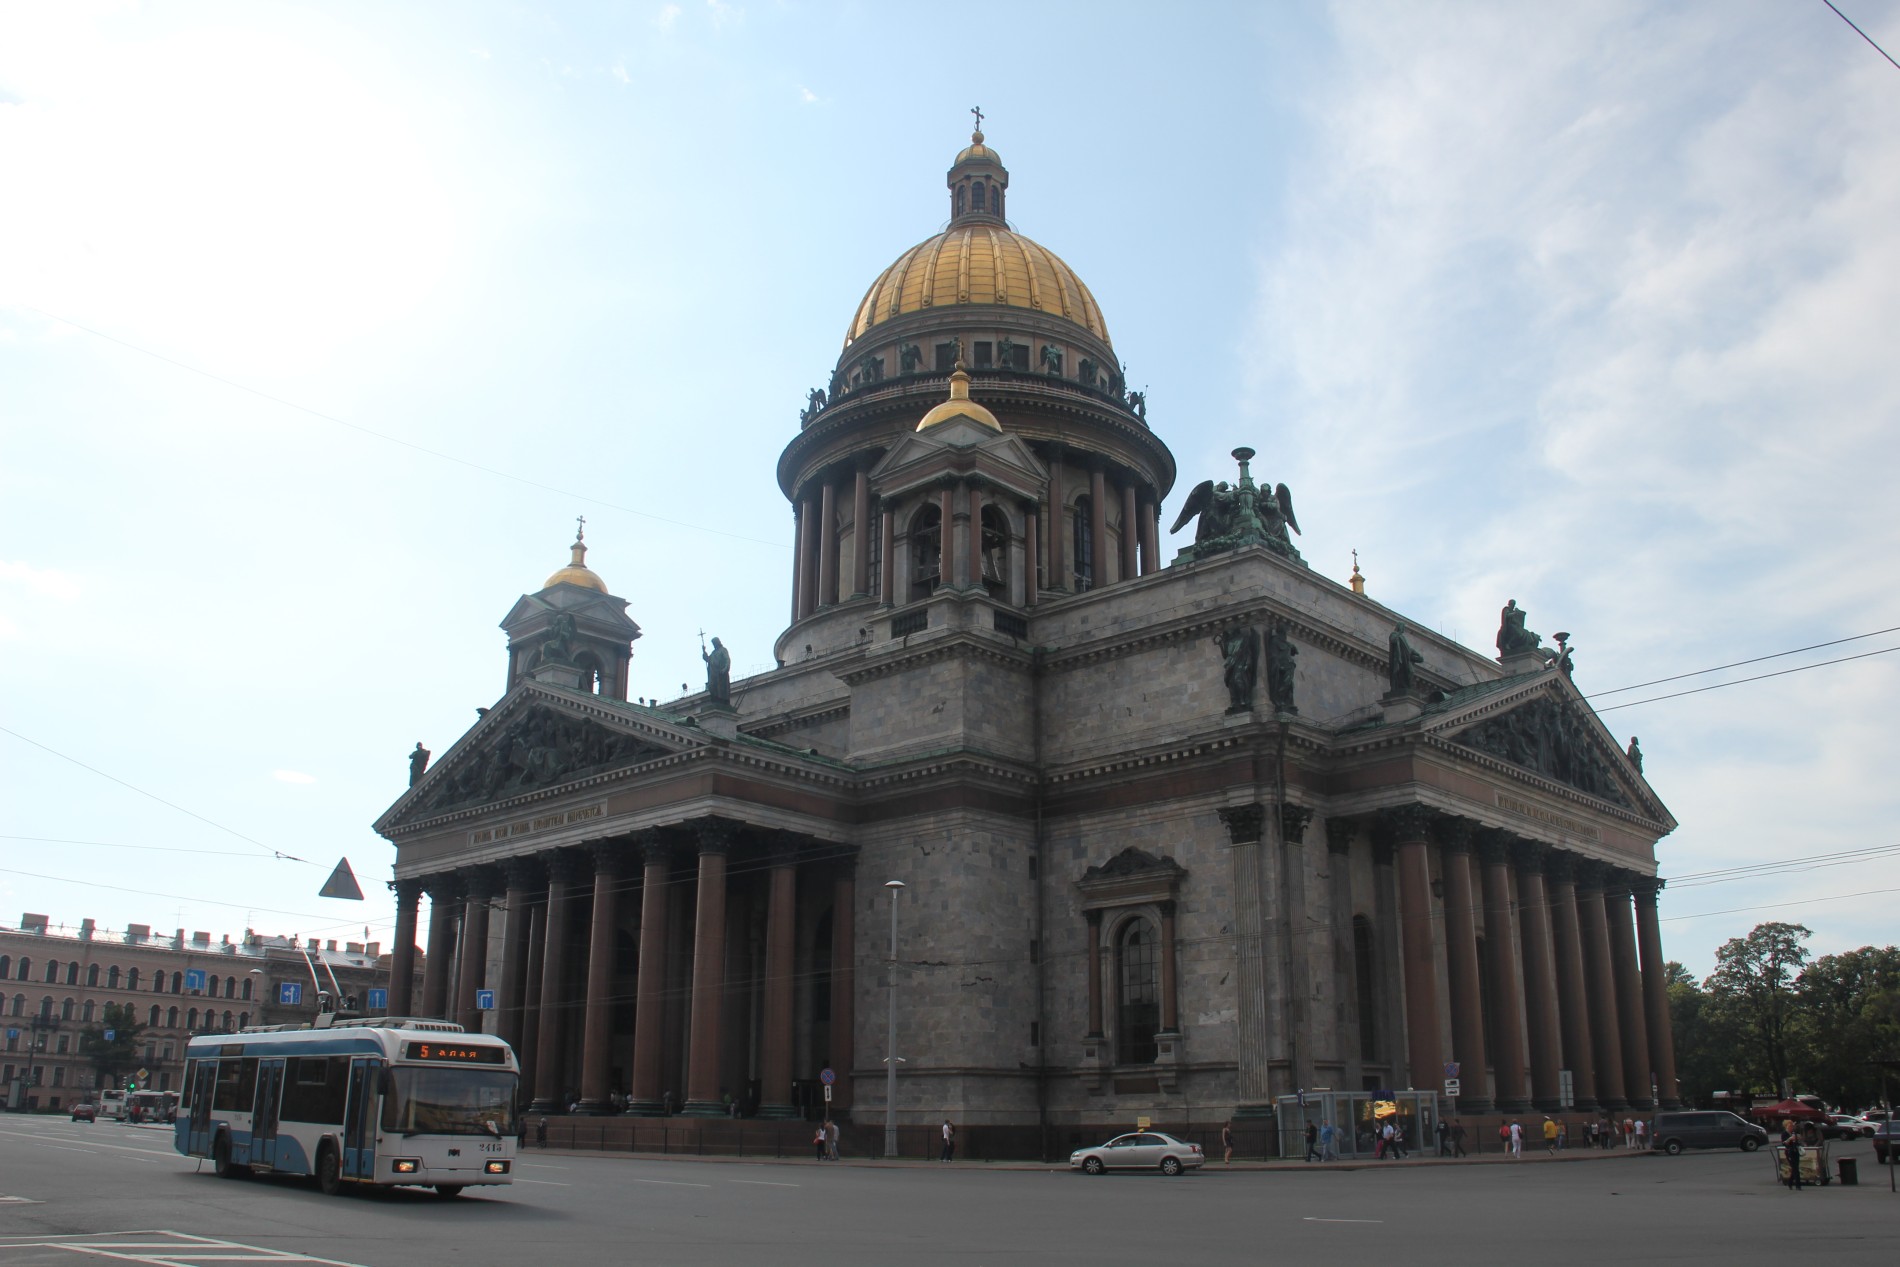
117 1057
1753 987
1849 1016
1704 1037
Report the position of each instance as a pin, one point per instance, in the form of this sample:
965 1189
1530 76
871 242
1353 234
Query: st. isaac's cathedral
1178 837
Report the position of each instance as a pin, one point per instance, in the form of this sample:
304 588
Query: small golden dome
577 572
978 263
977 152
960 405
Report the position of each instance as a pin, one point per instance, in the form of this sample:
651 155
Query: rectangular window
1015 356
983 356
1035 950
64 1039
1034 867
946 357
314 1089
59 1075
1035 1033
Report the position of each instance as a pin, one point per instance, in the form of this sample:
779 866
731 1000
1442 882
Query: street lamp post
890 1034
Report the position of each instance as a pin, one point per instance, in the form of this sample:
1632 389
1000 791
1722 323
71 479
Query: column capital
1293 821
522 873
1591 874
656 848
1453 834
1094 918
781 849
445 886
714 835
479 883
1339 834
1244 822
1530 855
609 857
1560 865
1403 823
1166 908
408 892
1618 882
1646 887
1494 846
566 866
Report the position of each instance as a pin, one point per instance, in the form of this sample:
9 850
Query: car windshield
443 1101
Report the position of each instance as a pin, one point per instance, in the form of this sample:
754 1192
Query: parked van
111 1103
1673 1132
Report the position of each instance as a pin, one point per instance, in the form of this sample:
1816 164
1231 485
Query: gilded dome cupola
979 184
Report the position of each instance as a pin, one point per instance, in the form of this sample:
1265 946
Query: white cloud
620 73
806 95
723 14
666 17
49 583
292 776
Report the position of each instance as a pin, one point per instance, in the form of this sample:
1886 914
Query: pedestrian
831 1138
1398 1139
1504 1137
1312 1141
1517 1140
1550 1136
1791 1147
1444 1138
1642 1134
818 1143
541 1131
1227 1142
1629 1133
949 1142
1458 1139
1328 1137
1383 1149
1563 1134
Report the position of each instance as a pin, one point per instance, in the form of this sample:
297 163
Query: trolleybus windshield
443 1100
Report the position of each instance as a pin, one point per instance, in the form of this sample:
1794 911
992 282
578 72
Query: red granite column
1629 993
827 545
1406 827
550 1068
1461 954
597 1034
1131 533
1599 985
798 560
649 1005
709 970
1573 1006
781 948
861 530
887 580
402 956
1098 524
1500 949
844 983
445 895
807 566
947 537
521 874
1094 953
1540 979
1032 557
474 969
1057 554
531 988
1150 536
1170 1007
1662 1043
973 534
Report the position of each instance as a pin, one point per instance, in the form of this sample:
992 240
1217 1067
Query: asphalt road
72 1192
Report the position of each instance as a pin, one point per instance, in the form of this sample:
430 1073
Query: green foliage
1849 1016
1753 987
118 1059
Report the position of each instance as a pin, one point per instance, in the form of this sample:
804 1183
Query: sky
320 324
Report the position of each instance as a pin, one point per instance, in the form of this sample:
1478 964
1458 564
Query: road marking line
20 1201
1311 1219
123 1148
184 1250
765 1183
64 1149
674 1183
548 1183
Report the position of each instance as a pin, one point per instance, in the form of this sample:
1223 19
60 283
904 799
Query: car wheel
1092 1165
329 1170
448 1191
1170 1165
1750 1144
1673 1148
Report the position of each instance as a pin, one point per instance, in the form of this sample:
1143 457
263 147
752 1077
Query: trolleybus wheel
329 1170
221 1162
448 1191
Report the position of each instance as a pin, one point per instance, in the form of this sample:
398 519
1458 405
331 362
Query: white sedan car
1143 1150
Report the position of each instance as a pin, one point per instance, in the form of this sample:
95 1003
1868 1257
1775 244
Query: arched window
996 200
1138 980
227 1020
178 983
1084 523
152 1021
591 677
244 1020
19 1004
26 967
244 991
112 978
52 972
171 1018
92 975
996 551
230 987
191 1019
66 1010
959 200
1362 981
976 197
874 551
72 973
6 966
46 1008
85 1013
926 551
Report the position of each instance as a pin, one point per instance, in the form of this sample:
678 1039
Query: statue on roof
419 762
1635 754
814 404
718 674
1232 518
1280 656
558 648
1400 657
1240 665
1513 637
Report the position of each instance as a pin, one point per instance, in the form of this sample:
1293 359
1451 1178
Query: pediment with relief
535 748
1548 736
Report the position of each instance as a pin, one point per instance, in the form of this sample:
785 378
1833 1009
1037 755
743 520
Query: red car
85 1113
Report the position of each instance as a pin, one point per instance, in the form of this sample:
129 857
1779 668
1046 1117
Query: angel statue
1236 516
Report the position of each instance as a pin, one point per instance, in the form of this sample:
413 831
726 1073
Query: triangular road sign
342 883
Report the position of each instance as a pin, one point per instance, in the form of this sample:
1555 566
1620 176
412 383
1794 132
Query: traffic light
131 1084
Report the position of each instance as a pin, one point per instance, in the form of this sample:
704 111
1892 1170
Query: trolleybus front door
270 1095
359 1119
204 1087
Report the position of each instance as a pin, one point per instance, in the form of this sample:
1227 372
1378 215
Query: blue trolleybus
384 1102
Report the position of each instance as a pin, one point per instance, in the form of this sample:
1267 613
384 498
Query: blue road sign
110 1035
13 1033
484 1000
290 993
195 979
827 1077
1451 1070
379 1000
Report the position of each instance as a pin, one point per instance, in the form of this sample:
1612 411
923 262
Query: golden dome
960 405
577 572
979 263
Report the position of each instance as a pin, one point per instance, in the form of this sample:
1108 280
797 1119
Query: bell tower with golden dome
1002 326
572 632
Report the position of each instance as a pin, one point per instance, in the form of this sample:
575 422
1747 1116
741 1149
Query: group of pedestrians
825 1143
